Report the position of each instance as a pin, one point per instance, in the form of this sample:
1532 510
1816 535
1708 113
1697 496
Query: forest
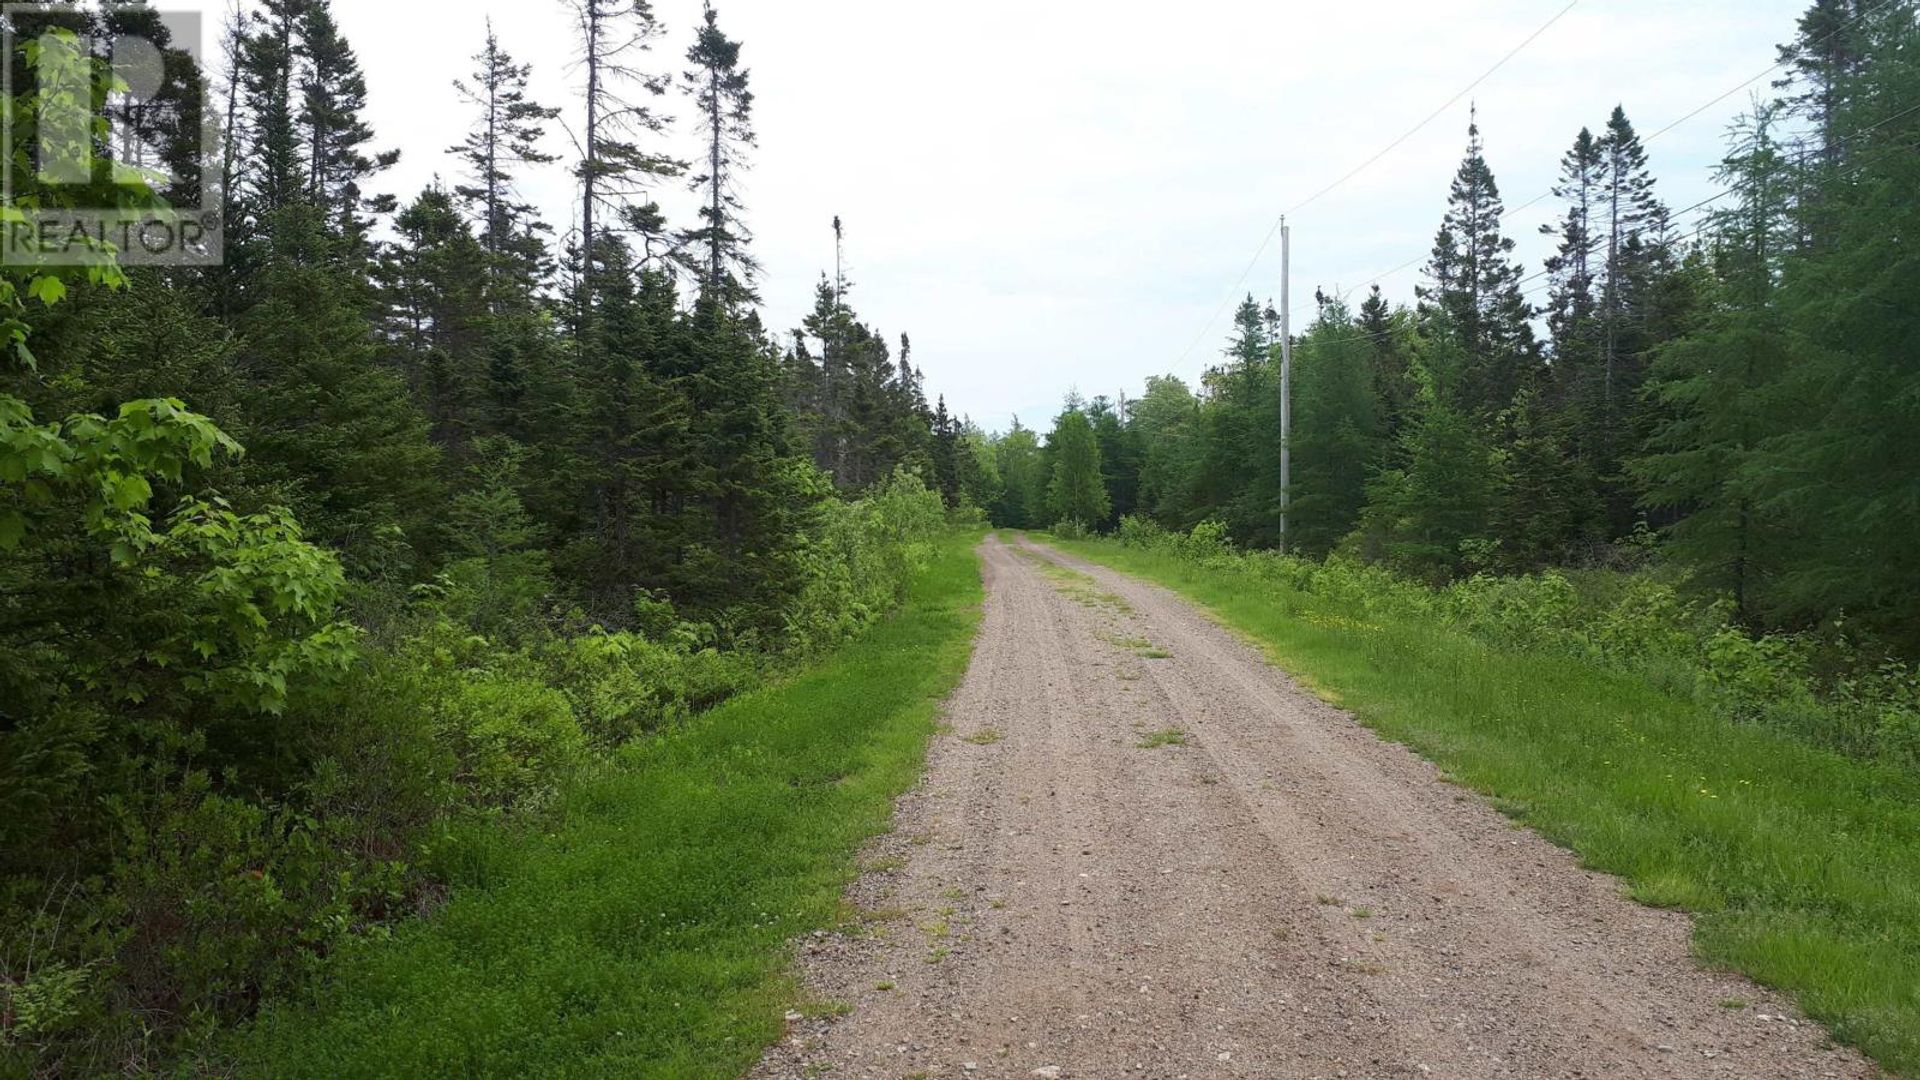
400 516
326 564
1716 403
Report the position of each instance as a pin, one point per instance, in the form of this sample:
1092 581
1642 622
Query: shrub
513 738
1631 622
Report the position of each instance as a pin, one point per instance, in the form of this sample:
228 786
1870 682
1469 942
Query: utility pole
1286 386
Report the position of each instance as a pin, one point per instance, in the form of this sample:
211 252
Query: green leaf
48 289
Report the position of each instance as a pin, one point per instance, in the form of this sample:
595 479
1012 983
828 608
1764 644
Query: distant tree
1473 292
1075 490
717 85
333 97
1336 443
505 138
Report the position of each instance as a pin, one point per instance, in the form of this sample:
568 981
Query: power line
1717 99
1357 170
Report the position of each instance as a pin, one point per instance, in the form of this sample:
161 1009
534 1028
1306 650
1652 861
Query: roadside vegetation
643 931
336 573
1713 771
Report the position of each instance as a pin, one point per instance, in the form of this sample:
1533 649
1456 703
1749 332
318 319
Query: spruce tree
1388 333
1168 423
333 96
1023 487
1336 431
277 170
505 138
614 164
1714 386
718 88
1473 295
434 285
1573 300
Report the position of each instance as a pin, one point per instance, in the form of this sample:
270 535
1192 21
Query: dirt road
1142 851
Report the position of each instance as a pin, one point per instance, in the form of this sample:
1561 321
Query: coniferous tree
1388 333
614 164
435 287
1838 472
1023 484
718 87
506 137
277 175
1169 422
1715 382
1241 432
1572 301
333 94
1120 454
1473 295
1336 431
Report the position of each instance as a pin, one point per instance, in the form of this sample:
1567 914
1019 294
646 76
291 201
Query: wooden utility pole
1286 386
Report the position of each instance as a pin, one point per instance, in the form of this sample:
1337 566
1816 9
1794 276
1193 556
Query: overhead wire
1274 230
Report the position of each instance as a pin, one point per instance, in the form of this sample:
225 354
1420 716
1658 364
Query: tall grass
644 935
1802 863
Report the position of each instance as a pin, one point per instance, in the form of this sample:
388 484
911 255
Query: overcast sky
1049 194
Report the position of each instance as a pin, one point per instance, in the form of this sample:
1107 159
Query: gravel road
1141 851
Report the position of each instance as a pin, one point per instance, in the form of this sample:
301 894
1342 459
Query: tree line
1733 396
400 511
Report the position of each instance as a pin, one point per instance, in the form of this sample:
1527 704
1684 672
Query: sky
1056 194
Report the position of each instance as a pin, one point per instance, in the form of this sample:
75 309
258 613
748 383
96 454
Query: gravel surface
1140 850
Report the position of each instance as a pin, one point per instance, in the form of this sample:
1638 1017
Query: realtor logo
110 146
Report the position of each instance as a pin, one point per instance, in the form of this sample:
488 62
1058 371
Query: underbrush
1713 772
1819 687
170 866
644 931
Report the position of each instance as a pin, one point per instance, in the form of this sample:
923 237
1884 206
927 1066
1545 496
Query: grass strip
645 934
1802 866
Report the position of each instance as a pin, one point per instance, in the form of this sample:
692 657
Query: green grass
646 934
1169 737
1802 866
